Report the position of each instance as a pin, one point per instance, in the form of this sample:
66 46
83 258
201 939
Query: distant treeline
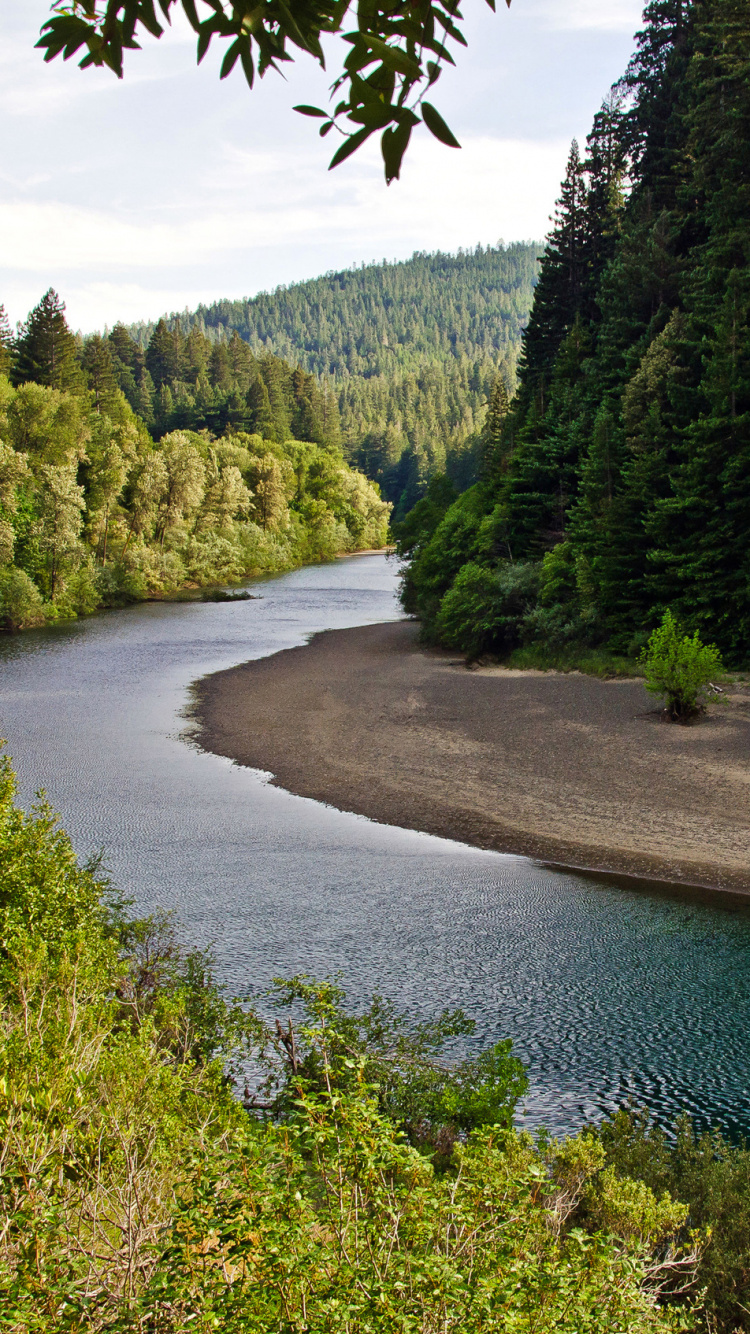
245 475
617 483
404 357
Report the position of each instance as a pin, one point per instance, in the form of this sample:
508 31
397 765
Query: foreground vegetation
615 486
94 513
365 1184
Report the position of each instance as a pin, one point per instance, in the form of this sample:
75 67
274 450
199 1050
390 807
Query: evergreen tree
46 350
259 408
164 355
494 433
146 393
605 167
631 428
98 366
6 344
559 292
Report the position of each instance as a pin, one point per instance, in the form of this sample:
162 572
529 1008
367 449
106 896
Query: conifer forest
555 436
616 483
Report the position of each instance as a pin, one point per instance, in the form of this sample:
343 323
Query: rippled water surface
608 992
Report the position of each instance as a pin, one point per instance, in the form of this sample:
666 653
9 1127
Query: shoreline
571 771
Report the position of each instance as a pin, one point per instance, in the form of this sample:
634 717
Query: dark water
607 992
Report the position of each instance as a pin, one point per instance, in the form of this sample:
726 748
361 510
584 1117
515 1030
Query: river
608 992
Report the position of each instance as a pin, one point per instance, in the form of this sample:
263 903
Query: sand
563 768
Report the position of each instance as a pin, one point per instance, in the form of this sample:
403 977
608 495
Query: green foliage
395 56
334 1224
137 1194
484 610
46 899
712 1176
432 1101
94 513
416 529
45 349
679 667
21 603
406 357
623 464
592 662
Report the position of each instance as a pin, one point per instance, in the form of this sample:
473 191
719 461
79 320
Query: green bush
712 1177
678 667
138 1195
485 609
81 594
21 603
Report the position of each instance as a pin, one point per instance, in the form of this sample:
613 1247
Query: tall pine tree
46 350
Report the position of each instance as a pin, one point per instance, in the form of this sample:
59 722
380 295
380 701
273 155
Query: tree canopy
620 479
398 50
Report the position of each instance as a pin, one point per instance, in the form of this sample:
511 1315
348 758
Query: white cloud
172 187
592 15
266 206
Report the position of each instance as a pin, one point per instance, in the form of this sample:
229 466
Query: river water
609 993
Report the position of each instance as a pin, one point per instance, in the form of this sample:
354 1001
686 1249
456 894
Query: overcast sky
169 188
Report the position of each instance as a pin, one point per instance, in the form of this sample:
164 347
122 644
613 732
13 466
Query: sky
170 187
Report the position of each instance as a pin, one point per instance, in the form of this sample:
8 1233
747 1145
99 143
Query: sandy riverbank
563 768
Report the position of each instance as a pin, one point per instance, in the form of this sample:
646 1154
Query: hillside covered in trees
405 356
617 483
94 513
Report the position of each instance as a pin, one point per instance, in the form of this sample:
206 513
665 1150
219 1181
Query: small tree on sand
679 667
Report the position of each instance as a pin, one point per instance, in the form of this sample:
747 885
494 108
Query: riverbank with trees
96 513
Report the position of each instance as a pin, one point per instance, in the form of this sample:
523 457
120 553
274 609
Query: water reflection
608 990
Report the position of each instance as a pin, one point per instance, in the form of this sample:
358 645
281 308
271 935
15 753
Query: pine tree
99 368
605 167
144 404
701 558
275 373
560 290
46 350
220 368
165 357
494 434
259 408
6 344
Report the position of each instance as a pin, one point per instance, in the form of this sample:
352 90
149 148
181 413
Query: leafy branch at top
398 49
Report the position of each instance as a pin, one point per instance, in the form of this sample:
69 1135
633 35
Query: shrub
21 603
712 1176
679 667
484 610
137 1195
81 594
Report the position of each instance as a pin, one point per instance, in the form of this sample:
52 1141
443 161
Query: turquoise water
608 992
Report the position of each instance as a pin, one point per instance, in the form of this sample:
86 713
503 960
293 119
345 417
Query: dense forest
616 485
94 513
361 1182
405 356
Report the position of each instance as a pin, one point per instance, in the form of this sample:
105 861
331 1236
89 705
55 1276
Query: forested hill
411 351
376 318
617 486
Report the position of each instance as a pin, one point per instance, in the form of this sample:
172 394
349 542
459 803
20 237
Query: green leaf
349 146
310 111
230 59
367 48
437 126
393 145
